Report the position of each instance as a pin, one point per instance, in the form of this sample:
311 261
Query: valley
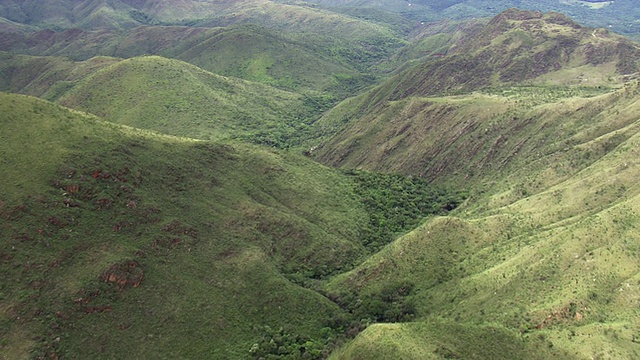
319 180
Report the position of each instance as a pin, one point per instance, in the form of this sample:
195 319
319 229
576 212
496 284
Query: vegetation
156 230
101 248
397 204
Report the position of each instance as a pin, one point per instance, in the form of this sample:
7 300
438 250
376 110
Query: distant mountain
247 52
620 15
519 46
516 48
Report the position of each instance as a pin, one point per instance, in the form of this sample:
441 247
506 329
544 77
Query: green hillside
558 269
542 255
168 96
119 242
498 108
176 98
47 77
295 47
248 52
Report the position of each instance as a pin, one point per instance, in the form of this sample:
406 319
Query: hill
406 125
46 77
619 16
552 258
517 47
176 98
487 205
118 242
291 46
149 92
66 14
248 52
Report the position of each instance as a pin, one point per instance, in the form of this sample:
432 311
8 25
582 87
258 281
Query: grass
220 107
436 340
544 248
553 260
176 98
211 235
125 242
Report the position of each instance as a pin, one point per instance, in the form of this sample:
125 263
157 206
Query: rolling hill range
247 52
291 46
546 245
479 202
620 15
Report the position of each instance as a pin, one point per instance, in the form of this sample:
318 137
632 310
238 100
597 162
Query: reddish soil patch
123 275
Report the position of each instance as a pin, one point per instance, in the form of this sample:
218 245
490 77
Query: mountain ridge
516 47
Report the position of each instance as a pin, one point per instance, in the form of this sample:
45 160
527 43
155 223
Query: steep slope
543 255
518 46
558 268
120 243
483 135
399 127
431 41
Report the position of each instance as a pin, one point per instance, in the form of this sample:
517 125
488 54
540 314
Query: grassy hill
176 98
248 52
542 255
45 76
517 47
165 95
118 242
291 46
556 270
